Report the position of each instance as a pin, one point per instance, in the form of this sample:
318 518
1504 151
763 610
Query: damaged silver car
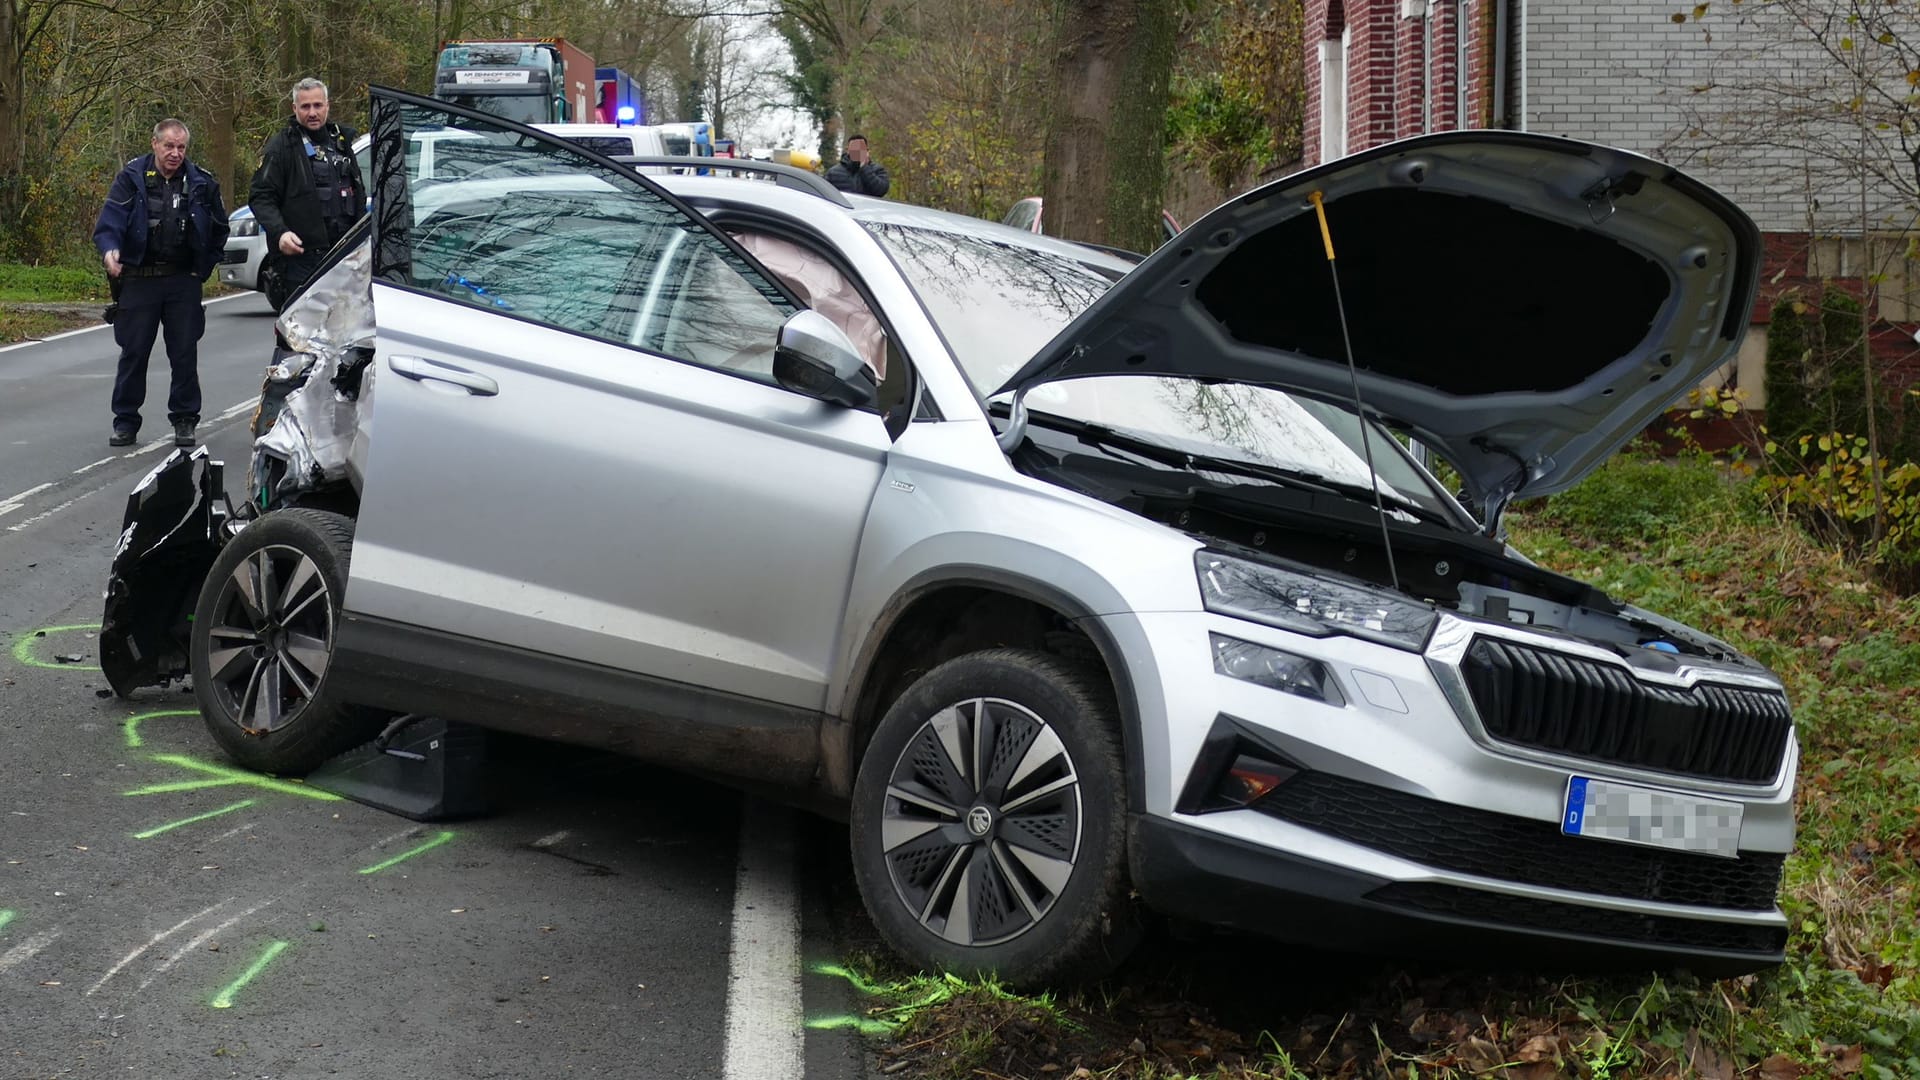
1080 589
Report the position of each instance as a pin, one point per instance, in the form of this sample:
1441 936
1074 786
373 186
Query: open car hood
1521 304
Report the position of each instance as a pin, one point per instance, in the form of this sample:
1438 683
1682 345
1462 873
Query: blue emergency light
624 115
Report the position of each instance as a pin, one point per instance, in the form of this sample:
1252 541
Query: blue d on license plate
1605 810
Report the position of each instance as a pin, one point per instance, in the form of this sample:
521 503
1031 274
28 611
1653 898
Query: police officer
307 192
161 233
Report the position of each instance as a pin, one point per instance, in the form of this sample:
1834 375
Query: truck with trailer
528 80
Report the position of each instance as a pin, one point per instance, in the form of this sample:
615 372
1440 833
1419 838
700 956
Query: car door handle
421 369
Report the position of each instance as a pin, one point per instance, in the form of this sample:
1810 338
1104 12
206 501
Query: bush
1638 498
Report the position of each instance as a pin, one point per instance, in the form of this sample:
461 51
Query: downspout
1498 117
1459 64
1426 67
1521 60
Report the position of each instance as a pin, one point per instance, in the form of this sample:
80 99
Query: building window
1333 95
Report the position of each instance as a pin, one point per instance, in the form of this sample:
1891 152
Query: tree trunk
13 130
1105 168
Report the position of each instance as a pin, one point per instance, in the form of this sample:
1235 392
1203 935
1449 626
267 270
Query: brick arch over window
1336 18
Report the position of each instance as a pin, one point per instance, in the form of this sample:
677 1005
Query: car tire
262 645
988 826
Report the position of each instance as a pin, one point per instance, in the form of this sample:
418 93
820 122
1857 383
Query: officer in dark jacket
858 172
307 192
161 233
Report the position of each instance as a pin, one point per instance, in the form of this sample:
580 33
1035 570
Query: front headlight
1308 603
247 226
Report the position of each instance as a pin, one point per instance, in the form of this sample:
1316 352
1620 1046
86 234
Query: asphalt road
164 914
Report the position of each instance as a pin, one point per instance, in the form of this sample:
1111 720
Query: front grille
1506 848
1582 708
1554 917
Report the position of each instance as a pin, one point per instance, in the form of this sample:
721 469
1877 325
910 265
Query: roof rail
785 176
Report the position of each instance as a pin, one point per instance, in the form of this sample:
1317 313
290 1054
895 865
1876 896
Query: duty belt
156 270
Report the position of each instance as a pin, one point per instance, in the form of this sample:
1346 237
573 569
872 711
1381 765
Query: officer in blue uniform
161 233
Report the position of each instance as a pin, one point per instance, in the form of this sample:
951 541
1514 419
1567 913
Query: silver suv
1079 588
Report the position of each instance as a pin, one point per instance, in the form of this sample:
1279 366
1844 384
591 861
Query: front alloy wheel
262 646
989 816
271 638
981 823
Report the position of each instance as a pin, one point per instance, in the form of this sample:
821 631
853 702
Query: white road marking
238 409
44 515
25 951
103 326
765 1031
231 832
155 940
198 940
14 502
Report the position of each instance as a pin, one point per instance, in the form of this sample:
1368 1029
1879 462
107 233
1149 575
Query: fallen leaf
1846 1059
1478 1055
1706 1060
1781 1067
1539 1048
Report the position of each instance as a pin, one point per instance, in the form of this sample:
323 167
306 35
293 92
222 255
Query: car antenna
1353 372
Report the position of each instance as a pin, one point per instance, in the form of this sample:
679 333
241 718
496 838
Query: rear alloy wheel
262 646
988 823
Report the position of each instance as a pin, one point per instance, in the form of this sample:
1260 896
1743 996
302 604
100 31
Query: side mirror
814 357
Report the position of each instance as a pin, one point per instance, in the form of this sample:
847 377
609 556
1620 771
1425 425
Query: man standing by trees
161 233
307 192
858 172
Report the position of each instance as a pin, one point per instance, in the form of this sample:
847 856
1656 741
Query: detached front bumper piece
177 521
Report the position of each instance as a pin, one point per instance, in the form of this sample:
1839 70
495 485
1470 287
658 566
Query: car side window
542 233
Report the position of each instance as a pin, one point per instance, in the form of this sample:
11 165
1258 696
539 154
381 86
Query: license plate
1605 810
233 255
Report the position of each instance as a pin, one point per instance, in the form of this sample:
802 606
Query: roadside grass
52 284
16 326
1687 538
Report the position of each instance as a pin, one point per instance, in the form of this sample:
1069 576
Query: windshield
997 303
519 108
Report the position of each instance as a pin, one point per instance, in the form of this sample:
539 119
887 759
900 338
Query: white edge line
156 939
45 514
198 940
103 326
12 502
238 409
95 465
25 951
765 1032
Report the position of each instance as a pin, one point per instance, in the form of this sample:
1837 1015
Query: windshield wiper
1162 453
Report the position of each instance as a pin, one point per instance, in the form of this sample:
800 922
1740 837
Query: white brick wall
1623 73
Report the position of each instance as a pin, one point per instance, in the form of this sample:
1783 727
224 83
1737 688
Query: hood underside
1521 304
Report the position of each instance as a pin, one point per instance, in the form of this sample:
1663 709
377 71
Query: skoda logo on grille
979 820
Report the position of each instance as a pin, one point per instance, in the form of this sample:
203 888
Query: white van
611 139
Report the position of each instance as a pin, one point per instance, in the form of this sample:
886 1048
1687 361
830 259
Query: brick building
1624 74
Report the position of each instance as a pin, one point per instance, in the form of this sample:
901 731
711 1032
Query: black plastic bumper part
1194 874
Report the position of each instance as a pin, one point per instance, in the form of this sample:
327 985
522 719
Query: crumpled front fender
177 521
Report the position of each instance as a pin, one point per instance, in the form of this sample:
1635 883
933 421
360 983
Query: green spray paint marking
224 999
405 855
23 648
853 977
226 775
5 918
132 725
158 829
858 1023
